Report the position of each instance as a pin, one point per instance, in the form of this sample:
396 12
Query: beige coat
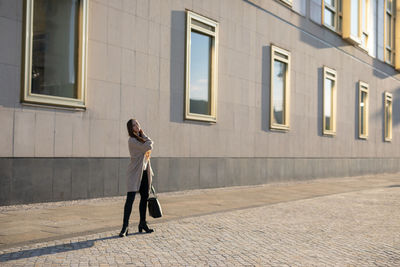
137 151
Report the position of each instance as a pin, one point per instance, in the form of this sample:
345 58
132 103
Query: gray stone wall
30 180
136 65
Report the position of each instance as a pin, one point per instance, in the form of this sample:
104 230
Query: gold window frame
388 117
396 37
26 93
347 16
361 30
338 15
281 55
213 68
391 47
330 74
363 88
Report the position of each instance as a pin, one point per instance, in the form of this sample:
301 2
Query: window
351 21
201 68
280 84
363 110
355 22
389 31
388 116
329 102
332 14
364 23
55 52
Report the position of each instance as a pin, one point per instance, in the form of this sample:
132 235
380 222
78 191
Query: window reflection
200 77
329 18
388 118
55 47
279 91
328 104
363 113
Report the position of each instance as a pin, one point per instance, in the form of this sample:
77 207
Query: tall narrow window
329 102
389 30
280 84
355 21
363 110
201 68
364 10
332 14
388 116
55 52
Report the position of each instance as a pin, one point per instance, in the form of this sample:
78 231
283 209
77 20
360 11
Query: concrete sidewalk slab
24 224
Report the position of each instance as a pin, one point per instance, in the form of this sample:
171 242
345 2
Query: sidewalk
27 224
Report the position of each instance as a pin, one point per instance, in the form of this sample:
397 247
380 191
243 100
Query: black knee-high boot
130 197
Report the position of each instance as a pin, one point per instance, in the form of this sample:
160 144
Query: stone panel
24 126
111 177
6 132
62 179
22 188
8 48
208 173
184 173
44 135
42 179
80 178
5 180
96 177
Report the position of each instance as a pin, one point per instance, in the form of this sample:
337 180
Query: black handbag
155 210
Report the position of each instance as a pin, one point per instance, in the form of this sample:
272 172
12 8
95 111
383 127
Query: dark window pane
363 113
55 47
279 92
200 76
328 104
329 18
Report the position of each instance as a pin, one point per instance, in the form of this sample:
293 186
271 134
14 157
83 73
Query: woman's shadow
37 252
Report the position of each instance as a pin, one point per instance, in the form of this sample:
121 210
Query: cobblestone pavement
350 229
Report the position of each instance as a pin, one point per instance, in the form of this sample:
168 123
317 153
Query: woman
139 175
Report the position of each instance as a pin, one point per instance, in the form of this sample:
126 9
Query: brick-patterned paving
350 229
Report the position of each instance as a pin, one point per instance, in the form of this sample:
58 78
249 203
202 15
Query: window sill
52 106
203 118
279 127
330 134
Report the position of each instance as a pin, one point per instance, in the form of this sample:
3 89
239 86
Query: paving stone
349 229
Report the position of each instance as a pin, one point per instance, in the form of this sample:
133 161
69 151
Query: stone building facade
233 92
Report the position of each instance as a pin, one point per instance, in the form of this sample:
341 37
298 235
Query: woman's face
136 127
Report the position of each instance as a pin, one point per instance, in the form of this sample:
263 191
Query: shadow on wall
356 107
265 87
382 70
320 88
396 107
177 65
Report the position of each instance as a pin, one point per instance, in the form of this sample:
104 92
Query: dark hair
129 126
